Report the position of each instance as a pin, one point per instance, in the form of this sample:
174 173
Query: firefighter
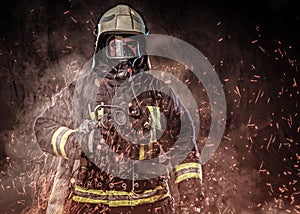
115 113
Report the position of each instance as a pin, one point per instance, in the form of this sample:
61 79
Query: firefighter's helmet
121 20
120 35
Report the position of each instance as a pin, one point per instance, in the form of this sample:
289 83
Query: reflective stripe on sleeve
186 166
187 176
187 170
54 139
59 139
64 141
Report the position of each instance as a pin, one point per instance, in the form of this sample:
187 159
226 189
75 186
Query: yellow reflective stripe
92 114
64 141
99 192
88 200
150 150
114 192
150 108
153 190
121 203
142 152
158 118
187 165
187 176
153 135
54 139
155 116
93 191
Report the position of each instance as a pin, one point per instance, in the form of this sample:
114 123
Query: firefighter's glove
191 197
191 203
72 148
86 127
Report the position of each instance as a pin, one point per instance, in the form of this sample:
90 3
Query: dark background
254 47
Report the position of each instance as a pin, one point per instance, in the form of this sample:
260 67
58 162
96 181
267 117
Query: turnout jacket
102 121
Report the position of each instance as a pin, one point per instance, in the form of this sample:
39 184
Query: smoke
256 167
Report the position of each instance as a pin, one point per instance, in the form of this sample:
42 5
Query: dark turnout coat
128 136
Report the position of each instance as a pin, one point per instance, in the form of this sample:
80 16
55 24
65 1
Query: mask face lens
122 48
118 51
132 44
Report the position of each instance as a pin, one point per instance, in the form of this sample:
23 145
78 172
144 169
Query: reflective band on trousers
187 170
119 198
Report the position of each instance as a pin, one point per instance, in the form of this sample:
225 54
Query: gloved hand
86 127
72 147
191 196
